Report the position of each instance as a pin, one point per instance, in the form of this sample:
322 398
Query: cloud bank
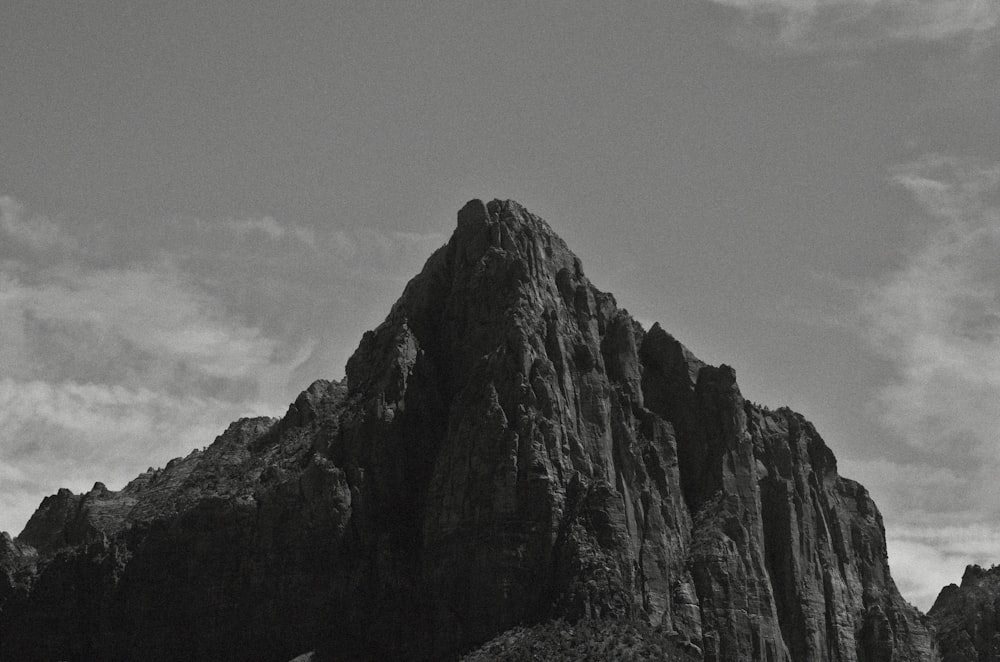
127 347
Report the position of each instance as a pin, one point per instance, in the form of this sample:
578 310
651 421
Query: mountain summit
509 448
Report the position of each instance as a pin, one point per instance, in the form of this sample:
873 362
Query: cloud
937 317
852 26
29 231
951 188
268 227
138 325
265 225
127 346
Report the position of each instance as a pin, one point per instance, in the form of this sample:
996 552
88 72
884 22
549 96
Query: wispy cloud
144 311
936 319
265 225
29 231
125 349
853 26
938 316
951 188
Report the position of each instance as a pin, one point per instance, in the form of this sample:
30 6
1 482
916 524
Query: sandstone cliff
509 448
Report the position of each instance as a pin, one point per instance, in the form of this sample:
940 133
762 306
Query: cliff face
510 447
967 617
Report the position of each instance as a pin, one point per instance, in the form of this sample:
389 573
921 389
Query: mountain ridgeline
509 450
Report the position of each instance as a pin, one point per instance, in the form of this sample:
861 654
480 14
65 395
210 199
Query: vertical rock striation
510 448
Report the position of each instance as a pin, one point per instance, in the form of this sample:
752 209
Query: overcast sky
204 204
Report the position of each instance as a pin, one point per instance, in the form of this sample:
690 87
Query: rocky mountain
967 617
509 449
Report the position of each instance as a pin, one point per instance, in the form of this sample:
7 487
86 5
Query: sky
203 205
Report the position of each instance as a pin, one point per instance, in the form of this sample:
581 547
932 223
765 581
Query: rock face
509 448
967 617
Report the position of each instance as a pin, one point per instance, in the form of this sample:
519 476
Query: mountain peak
506 226
510 448
476 213
502 269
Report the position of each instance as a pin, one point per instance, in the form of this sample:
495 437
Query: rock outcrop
509 448
967 617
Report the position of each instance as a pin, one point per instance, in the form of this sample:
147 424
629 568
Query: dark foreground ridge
510 451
